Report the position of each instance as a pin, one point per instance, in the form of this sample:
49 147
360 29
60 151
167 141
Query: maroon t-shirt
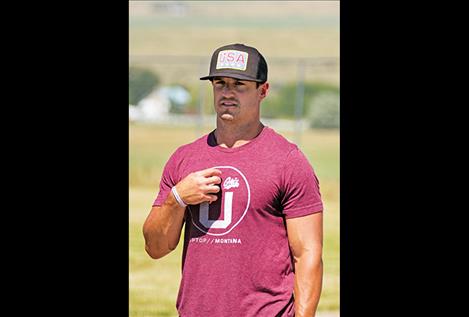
236 256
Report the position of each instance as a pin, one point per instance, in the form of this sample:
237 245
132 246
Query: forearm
162 229
308 284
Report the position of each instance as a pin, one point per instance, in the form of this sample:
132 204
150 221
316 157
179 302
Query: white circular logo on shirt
223 215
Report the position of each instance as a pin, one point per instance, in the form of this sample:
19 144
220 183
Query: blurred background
170 45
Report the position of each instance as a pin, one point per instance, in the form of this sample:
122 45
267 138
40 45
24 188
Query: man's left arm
305 236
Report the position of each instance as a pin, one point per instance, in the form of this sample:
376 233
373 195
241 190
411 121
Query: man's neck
231 136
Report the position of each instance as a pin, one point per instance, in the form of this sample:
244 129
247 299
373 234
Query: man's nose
227 90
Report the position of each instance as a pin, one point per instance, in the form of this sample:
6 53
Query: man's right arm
163 226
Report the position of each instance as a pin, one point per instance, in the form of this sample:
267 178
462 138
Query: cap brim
231 75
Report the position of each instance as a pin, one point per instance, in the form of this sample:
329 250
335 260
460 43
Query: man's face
237 100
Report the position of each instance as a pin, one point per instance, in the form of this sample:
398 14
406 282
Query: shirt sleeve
301 194
169 178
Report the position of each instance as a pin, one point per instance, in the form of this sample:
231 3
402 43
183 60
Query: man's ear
264 90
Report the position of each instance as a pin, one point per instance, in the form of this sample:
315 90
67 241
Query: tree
141 83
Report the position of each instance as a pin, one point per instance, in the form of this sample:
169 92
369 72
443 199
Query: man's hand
200 186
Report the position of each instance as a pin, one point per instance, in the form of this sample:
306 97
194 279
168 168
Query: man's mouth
227 103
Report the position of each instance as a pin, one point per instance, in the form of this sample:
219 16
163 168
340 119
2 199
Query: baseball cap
238 61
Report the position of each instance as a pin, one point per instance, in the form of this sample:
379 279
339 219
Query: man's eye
239 83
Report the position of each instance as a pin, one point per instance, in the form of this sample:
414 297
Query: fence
186 70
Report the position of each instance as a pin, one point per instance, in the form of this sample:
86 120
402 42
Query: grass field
154 283
279 29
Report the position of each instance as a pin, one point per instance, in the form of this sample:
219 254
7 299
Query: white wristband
178 198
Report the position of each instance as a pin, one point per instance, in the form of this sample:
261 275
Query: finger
210 172
213 180
210 198
212 189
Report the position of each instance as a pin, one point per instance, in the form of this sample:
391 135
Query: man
250 203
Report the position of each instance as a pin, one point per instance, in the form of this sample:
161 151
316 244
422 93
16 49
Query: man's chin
227 117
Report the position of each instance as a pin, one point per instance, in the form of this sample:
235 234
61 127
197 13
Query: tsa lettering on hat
238 61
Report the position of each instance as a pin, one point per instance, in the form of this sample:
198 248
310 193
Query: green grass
154 283
279 29
198 41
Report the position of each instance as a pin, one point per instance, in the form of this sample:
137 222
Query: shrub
282 101
324 111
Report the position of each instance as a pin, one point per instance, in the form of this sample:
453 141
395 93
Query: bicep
305 234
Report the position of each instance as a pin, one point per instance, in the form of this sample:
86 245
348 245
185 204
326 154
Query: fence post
299 100
200 120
